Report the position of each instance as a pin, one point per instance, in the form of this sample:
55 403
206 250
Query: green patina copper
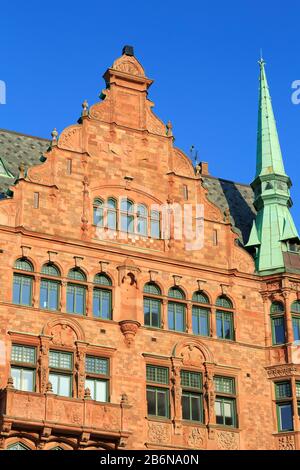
273 227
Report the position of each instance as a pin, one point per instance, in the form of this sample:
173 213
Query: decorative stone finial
169 129
87 394
54 135
128 50
85 108
21 170
49 388
10 383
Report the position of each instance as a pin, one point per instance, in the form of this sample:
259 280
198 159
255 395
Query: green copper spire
273 229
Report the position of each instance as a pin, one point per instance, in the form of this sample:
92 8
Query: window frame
21 365
63 372
190 391
93 376
229 398
159 387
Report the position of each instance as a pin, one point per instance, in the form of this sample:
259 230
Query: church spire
273 230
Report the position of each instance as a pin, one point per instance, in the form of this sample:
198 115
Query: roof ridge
24 135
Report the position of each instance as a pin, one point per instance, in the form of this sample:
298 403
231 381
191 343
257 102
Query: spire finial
85 108
54 135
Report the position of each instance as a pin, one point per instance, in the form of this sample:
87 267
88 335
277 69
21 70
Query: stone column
89 301
36 291
43 364
189 321
176 391
213 323
164 314
80 369
267 320
288 320
63 297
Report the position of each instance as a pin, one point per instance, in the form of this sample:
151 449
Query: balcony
48 414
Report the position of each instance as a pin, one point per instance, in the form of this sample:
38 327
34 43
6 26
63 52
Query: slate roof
16 148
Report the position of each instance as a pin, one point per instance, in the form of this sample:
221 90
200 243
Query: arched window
17 446
152 305
224 318
200 314
102 297
127 216
155 224
111 213
277 323
50 287
295 309
98 207
76 292
56 448
142 219
22 282
176 310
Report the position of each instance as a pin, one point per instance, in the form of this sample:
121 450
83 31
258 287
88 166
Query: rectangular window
296 328
69 166
185 192
102 304
49 294
285 416
36 200
215 237
61 384
23 377
224 325
225 402
97 380
176 316
192 396
61 362
158 397
200 321
283 389
152 312
297 389
76 299
22 290
278 330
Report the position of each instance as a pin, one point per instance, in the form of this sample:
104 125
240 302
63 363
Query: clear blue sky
202 55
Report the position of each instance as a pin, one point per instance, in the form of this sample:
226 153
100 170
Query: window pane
200 297
151 402
219 319
218 412
180 320
102 304
278 330
162 403
171 316
228 414
23 354
285 415
61 384
152 312
157 374
17 289
16 375
27 380
224 385
96 365
60 360
283 389
101 390
296 328
112 219
155 229
228 327
185 403
142 226
49 295
98 216
17 446
200 321
196 408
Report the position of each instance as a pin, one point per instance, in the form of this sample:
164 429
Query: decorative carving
182 164
227 440
159 433
153 123
70 139
286 443
192 356
194 437
129 329
281 371
274 285
54 327
80 370
129 64
209 395
63 335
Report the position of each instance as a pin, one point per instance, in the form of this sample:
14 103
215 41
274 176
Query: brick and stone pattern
122 149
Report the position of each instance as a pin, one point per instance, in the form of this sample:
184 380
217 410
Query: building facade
118 327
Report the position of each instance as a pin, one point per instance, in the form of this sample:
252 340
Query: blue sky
202 55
